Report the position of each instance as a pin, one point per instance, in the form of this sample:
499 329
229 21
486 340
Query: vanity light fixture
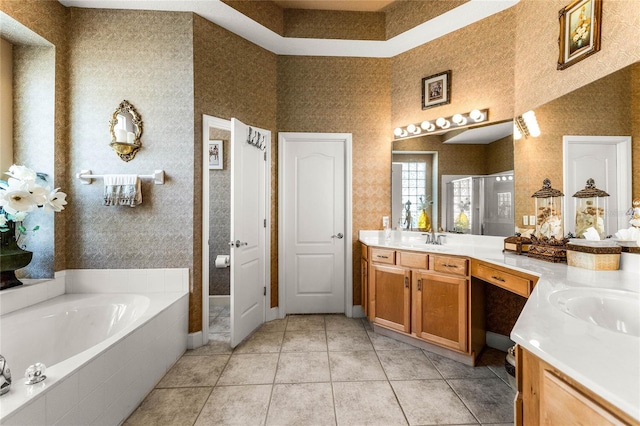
442 123
526 125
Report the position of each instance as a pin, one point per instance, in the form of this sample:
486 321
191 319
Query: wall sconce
442 123
526 125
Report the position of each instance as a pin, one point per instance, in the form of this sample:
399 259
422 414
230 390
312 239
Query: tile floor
324 370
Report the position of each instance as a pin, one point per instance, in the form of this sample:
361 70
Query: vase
424 223
12 257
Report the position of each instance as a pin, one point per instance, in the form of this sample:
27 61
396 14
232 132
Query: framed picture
580 23
436 90
215 155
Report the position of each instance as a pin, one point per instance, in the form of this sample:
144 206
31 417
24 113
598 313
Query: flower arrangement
21 195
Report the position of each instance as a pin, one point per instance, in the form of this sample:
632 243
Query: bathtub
103 352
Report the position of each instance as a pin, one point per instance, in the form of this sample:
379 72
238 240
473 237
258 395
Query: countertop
604 361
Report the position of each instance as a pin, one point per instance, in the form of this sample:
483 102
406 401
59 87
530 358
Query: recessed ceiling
349 5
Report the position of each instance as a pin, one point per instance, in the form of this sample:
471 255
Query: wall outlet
532 220
385 222
525 220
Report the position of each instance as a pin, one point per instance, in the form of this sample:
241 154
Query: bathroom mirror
126 129
482 150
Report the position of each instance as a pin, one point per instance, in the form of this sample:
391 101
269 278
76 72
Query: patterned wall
600 108
406 14
266 13
482 72
350 95
220 216
499 156
331 24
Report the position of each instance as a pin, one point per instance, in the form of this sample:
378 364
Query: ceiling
348 5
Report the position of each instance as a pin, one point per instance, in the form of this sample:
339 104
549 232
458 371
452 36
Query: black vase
12 257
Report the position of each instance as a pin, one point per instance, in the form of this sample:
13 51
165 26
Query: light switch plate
532 220
385 222
525 220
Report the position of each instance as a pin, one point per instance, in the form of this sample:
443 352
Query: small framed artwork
436 90
215 155
580 23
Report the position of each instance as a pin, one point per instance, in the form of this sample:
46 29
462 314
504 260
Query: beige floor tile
407 365
490 400
304 341
384 343
348 340
303 367
366 324
428 402
275 325
236 405
342 323
190 371
219 343
249 369
301 404
305 322
451 369
355 366
170 407
367 403
261 342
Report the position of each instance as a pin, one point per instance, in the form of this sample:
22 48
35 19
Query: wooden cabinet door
391 292
440 309
364 282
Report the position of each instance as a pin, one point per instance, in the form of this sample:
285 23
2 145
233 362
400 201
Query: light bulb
510 177
498 178
504 178
459 120
411 128
443 123
476 115
516 133
397 131
428 126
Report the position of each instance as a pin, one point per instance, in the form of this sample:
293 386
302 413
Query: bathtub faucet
5 376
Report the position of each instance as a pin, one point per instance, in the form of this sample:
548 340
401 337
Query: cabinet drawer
450 265
513 283
379 255
413 260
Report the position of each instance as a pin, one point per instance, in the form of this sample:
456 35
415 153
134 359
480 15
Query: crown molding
227 17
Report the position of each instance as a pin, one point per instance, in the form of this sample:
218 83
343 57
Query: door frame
270 313
291 137
623 159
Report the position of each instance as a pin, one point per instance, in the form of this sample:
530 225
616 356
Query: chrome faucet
432 238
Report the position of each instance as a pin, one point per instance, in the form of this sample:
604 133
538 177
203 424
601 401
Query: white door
314 225
248 229
607 160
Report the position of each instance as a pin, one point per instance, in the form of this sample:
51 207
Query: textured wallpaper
350 95
405 14
304 23
266 13
481 65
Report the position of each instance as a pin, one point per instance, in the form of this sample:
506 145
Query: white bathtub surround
110 376
604 361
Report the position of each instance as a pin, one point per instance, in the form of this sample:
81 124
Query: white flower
15 197
19 216
22 173
55 201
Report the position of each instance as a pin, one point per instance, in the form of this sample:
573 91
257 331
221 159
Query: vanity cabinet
547 396
421 295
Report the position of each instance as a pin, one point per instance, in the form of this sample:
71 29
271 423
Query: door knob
237 243
339 236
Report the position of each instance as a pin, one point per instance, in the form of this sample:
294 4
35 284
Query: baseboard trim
219 300
194 340
498 341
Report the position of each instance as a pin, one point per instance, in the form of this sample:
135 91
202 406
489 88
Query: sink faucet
432 238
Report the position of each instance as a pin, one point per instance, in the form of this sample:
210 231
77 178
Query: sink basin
615 310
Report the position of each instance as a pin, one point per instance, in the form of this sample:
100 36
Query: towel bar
87 178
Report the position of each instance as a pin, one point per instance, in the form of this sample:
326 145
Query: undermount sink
615 310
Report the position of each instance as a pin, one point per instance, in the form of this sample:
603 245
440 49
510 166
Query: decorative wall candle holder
590 209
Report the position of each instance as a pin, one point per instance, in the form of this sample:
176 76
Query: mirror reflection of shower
481 205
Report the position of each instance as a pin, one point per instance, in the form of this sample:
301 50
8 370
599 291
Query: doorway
315 241
607 160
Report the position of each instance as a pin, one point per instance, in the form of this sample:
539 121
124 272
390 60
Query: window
414 183
461 204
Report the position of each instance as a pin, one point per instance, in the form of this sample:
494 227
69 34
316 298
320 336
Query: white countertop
604 361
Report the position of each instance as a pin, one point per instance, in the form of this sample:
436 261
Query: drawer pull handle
379 256
419 285
406 282
497 278
447 265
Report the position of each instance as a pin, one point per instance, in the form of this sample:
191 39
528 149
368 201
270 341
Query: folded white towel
122 190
